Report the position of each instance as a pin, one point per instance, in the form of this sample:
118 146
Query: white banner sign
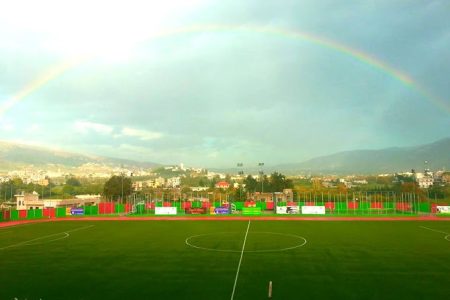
165 210
313 210
443 209
284 210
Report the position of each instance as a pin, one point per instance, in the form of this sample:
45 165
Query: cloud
144 135
86 126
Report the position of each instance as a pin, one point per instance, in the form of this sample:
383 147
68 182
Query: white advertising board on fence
165 210
443 209
313 210
284 210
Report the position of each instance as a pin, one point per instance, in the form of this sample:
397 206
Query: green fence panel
196 204
1 215
140 209
216 204
281 203
389 205
60 212
91 210
363 205
120 208
239 205
424 207
261 205
341 207
34 214
159 204
14 215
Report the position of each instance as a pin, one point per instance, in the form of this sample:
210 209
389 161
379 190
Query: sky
214 83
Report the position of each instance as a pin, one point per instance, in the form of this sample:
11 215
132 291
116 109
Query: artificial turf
150 260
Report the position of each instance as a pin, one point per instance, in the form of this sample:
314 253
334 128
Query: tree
116 186
73 182
250 184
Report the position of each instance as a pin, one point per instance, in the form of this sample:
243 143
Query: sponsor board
77 211
284 210
165 210
195 211
313 210
221 210
443 209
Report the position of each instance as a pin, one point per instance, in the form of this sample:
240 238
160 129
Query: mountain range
435 155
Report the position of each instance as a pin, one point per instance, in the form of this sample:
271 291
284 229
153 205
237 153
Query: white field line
240 260
434 230
447 235
46 236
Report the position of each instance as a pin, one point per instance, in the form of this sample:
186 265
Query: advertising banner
284 210
443 209
77 211
221 210
195 211
251 211
313 210
165 210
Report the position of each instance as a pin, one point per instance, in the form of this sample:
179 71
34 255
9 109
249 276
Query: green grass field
151 260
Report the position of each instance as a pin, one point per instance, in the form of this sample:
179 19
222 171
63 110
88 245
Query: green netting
90 210
14 215
216 203
60 212
281 203
1 215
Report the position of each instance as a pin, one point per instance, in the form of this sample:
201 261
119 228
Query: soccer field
225 260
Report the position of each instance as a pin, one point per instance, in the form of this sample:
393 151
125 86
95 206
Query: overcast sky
213 98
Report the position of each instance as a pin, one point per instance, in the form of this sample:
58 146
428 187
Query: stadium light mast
241 173
261 173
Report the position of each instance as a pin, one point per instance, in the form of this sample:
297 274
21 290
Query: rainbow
365 58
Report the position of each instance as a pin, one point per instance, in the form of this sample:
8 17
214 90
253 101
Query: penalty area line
240 261
66 233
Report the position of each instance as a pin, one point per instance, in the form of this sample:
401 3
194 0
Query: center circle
256 242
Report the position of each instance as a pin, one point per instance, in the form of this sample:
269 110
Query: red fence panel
353 205
22 214
402 206
206 204
106 208
269 205
150 205
329 205
309 203
291 203
376 205
249 204
49 212
185 205
6 215
167 204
